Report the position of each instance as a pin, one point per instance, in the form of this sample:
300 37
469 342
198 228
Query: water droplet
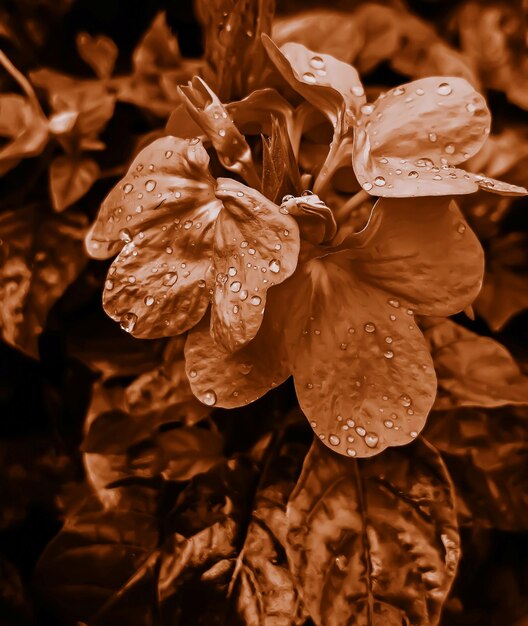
379 181
128 322
150 185
222 132
274 266
361 431
412 174
235 286
371 440
392 317
251 251
128 188
284 210
369 327
405 400
410 412
132 279
193 374
109 285
450 148
351 423
398 91
444 89
209 398
343 346
388 423
317 63
433 137
232 271
367 186
149 300
243 295
139 209
168 154
388 354
125 235
308 77
425 162
255 300
413 433
244 244
471 108
367 109
420 92
358 91
170 279
384 160
461 228
221 278
334 440
169 250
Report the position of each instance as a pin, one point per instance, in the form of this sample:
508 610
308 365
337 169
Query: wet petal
326 82
410 139
256 247
362 370
422 251
159 283
210 114
226 380
168 177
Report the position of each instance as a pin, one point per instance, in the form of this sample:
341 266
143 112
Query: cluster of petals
269 289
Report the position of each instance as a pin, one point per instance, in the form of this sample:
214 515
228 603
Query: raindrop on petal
150 185
444 89
209 398
369 327
308 77
334 440
371 439
128 322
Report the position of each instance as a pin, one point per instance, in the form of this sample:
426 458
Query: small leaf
70 179
40 256
158 49
280 172
473 370
373 541
99 52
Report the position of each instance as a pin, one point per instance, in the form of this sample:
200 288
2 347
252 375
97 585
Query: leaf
280 172
255 247
70 179
99 557
208 112
158 50
411 138
327 83
473 370
99 52
40 256
485 449
375 541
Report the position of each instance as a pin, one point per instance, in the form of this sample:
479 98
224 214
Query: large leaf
486 450
40 256
373 542
70 179
473 370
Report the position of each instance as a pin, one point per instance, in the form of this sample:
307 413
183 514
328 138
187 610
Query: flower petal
323 80
228 380
412 136
209 113
363 373
256 246
168 177
158 286
422 251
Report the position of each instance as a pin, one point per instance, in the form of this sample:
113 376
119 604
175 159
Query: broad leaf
70 179
99 52
485 450
40 256
473 370
373 542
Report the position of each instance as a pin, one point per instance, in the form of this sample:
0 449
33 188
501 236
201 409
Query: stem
19 78
352 203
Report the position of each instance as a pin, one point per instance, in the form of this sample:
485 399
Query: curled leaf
373 541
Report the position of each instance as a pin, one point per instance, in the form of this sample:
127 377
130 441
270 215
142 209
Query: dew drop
150 185
351 452
243 295
169 250
193 374
470 107
236 309
255 300
313 424
317 62
405 400
351 423
367 109
369 327
413 434
388 354
420 92
450 148
398 91
274 266
367 186
221 278
412 174
109 284
308 77
343 346
128 188
209 398
235 286
444 89
168 154
128 322
379 181
384 160
251 251
240 194
149 300
433 137
125 235
232 271
222 132
358 91
371 439
139 209
361 431
244 244
188 224
170 279
461 228
334 440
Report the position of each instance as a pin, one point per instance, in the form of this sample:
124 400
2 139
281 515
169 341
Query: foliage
264 302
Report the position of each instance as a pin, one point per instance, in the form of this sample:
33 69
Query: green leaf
40 256
374 541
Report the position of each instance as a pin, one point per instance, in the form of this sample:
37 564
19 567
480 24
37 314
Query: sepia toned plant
264 280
